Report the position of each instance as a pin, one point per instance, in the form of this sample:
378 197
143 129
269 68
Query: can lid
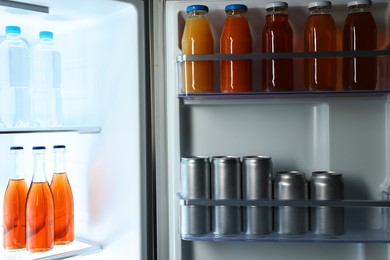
60 146
39 148
45 35
14 148
326 173
12 29
226 158
320 4
236 7
359 2
276 4
197 8
193 159
256 158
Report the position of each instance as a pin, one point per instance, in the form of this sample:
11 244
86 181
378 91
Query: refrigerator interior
347 133
104 124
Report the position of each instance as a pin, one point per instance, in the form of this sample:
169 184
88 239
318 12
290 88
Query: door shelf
355 232
78 247
352 235
382 58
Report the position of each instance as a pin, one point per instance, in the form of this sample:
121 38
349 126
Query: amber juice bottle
236 38
14 207
359 33
277 36
63 199
39 207
320 36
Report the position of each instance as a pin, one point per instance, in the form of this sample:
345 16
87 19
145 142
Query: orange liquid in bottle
236 75
198 76
277 36
359 33
63 213
15 215
320 36
40 217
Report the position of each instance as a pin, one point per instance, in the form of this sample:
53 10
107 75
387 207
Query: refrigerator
126 125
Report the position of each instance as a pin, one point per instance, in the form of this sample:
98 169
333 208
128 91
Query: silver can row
226 177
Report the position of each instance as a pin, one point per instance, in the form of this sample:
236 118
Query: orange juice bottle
63 199
39 207
14 207
320 36
359 33
277 36
236 75
198 76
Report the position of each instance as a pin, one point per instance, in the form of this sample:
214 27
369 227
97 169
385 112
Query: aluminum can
328 221
226 184
257 176
195 184
291 220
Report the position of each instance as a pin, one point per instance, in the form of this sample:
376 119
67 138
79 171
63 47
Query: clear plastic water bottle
47 105
14 80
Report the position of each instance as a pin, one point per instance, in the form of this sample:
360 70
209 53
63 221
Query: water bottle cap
45 35
59 146
14 148
275 5
236 7
359 2
320 4
12 29
39 148
197 8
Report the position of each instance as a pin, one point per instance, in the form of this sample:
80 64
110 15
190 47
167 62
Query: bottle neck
13 36
46 41
18 172
39 174
197 14
59 161
277 10
236 13
319 10
359 9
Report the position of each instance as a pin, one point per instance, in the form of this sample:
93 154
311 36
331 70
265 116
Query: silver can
291 220
328 221
257 176
195 184
226 184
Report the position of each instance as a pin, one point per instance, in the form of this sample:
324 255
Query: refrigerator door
102 45
307 132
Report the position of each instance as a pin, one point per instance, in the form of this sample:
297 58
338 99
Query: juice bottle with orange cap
277 36
359 33
198 76
236 75
320 36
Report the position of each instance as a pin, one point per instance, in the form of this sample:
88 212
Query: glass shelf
79 247
76 129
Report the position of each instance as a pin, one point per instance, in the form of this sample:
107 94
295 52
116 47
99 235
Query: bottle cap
12 29
275 5
14 148
320 4
39 148
236 7
45 35
197 8
61 146
359 2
